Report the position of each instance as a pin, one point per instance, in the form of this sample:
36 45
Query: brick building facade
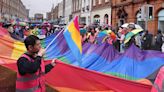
125 11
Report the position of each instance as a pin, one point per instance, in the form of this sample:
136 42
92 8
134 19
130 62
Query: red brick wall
132 9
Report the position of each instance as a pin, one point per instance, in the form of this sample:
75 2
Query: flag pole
57 36
54 39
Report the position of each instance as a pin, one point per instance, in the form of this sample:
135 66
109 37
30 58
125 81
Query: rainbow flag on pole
73 38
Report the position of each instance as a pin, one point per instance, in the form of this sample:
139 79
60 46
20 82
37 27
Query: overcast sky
39 6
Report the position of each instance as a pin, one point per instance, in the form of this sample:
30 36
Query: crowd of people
91 34
19 31
144 40
31 67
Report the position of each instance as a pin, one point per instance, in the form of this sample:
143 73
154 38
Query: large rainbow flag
68 78
58 47
134 64
73 38
12 49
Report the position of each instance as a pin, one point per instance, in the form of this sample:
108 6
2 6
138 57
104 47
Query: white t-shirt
122 38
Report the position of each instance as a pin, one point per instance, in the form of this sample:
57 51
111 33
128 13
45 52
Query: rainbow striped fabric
131 34
134 64
73 38
10 49
159 82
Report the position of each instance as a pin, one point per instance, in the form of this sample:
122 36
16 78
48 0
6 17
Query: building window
106 19
161 20
97 19
87 8
140 21
83 20
83 9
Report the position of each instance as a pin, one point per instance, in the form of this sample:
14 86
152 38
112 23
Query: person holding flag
31 67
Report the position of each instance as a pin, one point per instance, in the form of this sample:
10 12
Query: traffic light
147 12
150 12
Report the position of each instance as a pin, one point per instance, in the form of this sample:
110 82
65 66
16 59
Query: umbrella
104 33
131 34
125 25
22 24
135 25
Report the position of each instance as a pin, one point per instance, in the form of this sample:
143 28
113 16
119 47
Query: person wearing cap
134 39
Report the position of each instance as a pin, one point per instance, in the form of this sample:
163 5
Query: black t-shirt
27 67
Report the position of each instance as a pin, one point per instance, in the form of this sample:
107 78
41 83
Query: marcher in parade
130 28
146 40
31 68
159 40
92 36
